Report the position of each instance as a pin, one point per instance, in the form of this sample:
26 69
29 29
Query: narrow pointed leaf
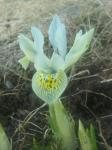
27 46
4 142
93 137
39 146
49 87
62 125
36 145
53 120
24 62
83 138
81 44
38 39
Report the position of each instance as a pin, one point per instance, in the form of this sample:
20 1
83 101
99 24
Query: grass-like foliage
4 142
87 137
63 126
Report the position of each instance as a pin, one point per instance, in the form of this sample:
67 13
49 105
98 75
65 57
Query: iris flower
50 79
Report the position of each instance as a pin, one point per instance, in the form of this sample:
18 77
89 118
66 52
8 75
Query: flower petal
42 63
57 35
49 87
27 46
52 31
38 39
24 62
61 40
81 44
57 62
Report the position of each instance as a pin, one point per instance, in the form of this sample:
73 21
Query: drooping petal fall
24 62
49 87
27 46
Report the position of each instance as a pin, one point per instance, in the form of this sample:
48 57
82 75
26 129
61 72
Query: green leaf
28 47
81 44
36 146
93 137
39 146
38 39
83 138
49 87
4 142
62 125
24 62
53 120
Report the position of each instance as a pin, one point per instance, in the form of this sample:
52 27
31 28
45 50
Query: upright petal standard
57 36
49 87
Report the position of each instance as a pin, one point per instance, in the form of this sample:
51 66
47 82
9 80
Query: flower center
49 81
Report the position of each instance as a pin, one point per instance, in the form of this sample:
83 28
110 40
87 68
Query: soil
89 94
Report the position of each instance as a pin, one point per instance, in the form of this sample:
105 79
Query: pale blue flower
50 80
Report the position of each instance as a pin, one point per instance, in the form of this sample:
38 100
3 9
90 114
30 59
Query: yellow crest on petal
49 87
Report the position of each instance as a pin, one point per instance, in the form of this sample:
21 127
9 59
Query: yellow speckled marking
49 86
49 81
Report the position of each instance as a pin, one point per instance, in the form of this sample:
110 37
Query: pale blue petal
27 46
57 62
52 30
42 63
49 87
81 44
57 35
38 39
61 40
24 62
